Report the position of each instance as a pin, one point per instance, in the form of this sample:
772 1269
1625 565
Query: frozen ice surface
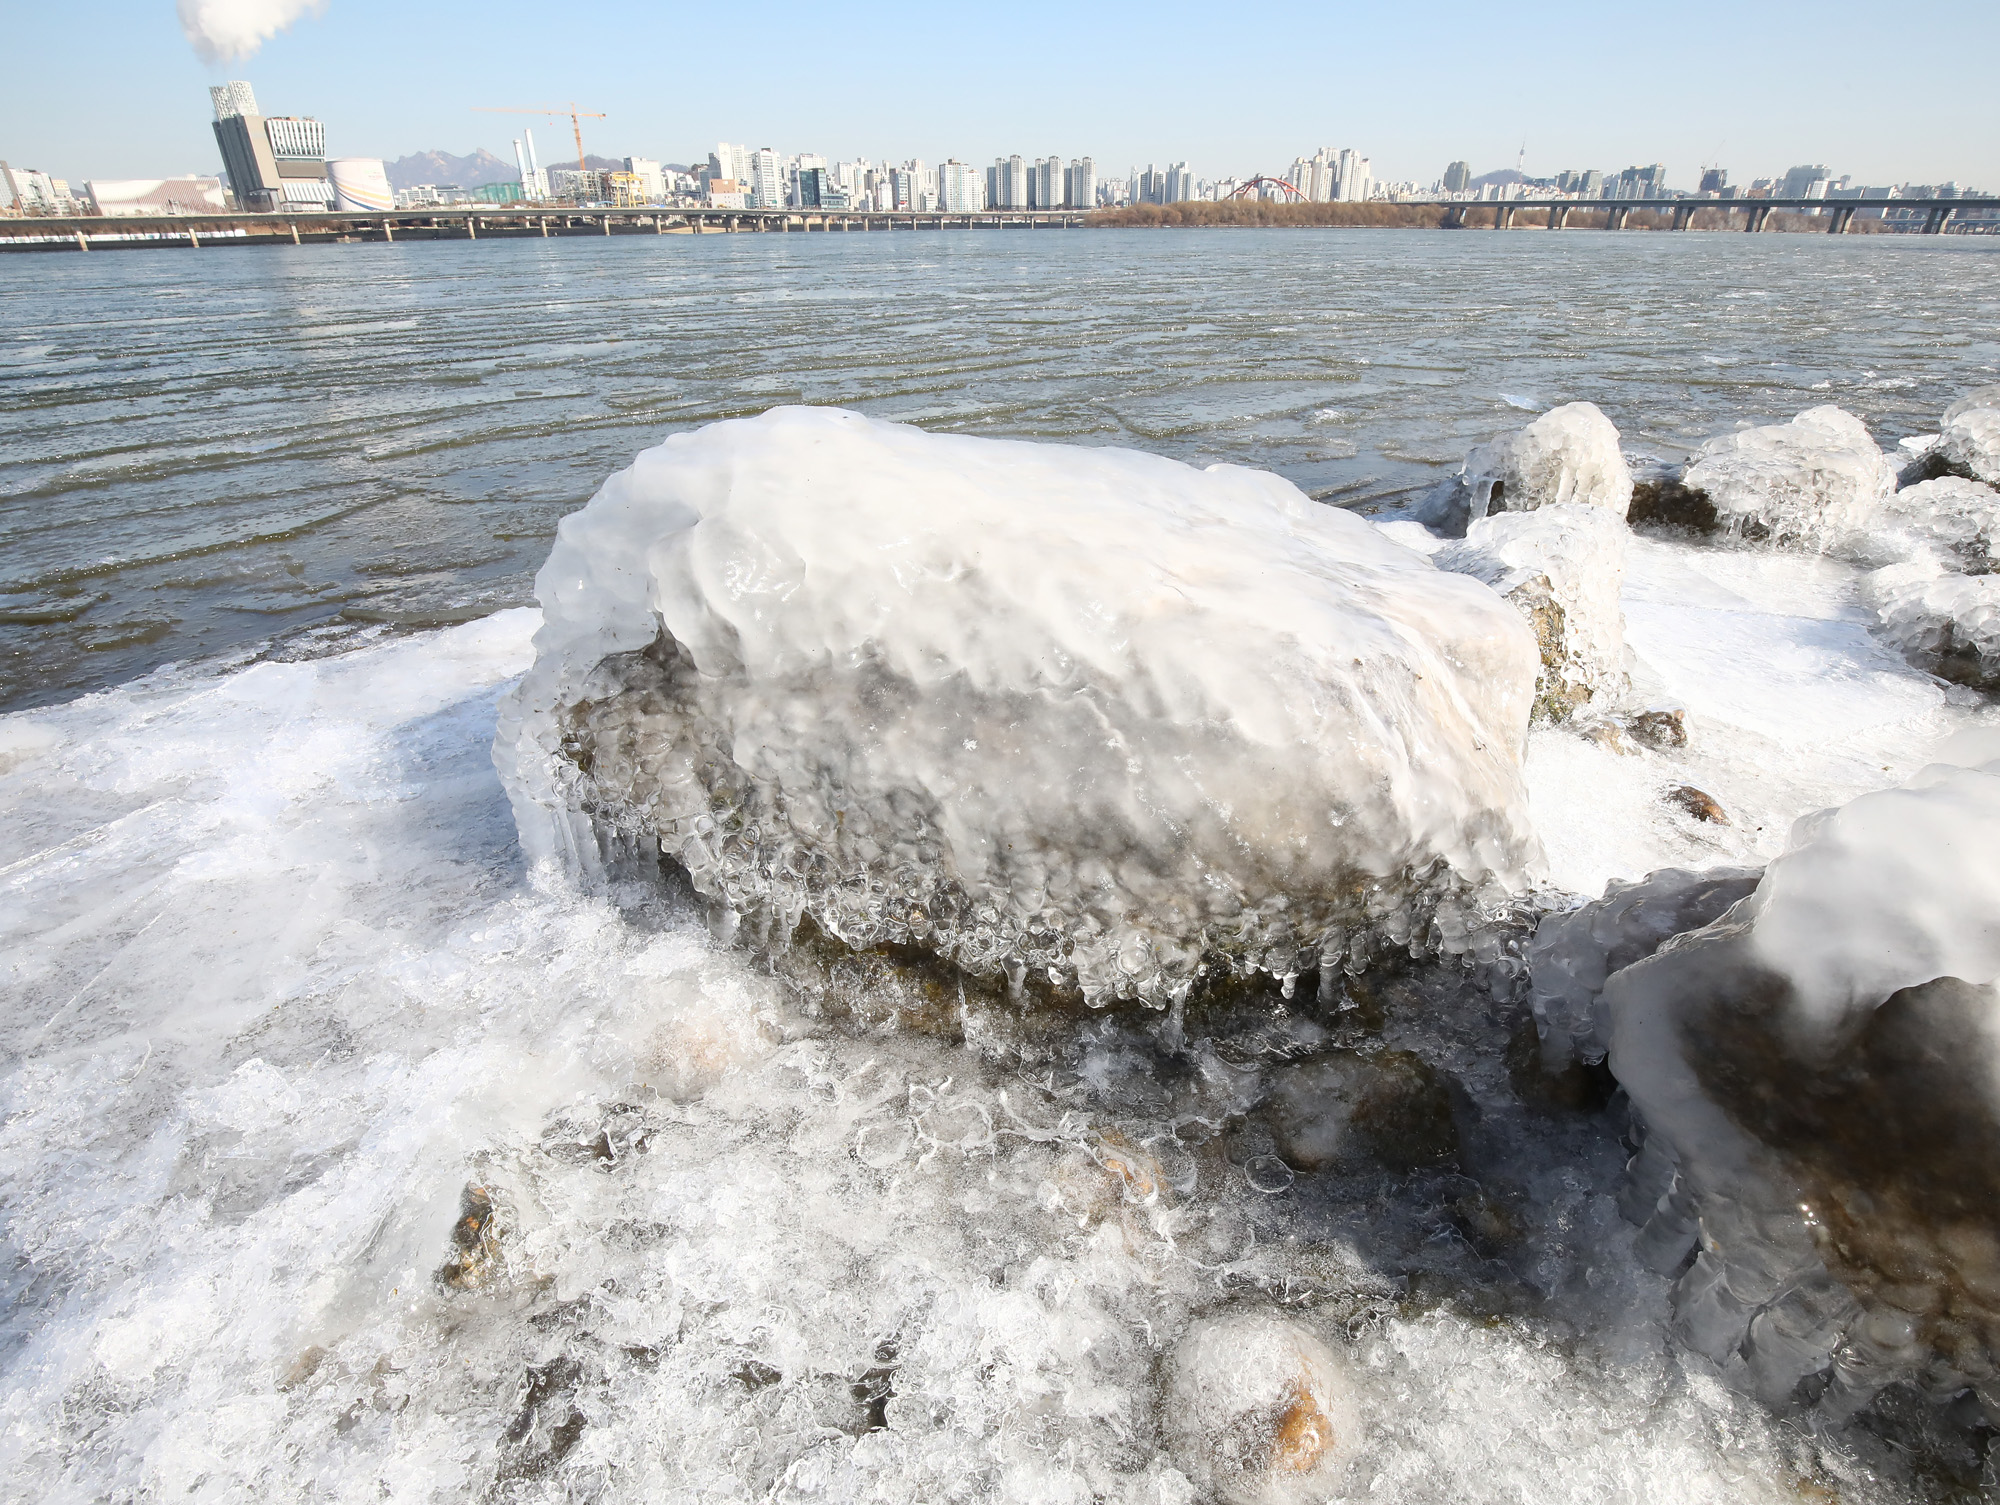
1969 439
1792 701
1795 483
1946 623
1561 566
280 988
1568 456
1818 1074
1045 711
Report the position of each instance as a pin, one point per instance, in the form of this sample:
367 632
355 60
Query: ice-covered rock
1950 519
1798 483
1260 1410
1818 1077
1560 566
1969 440
1568 455
1946 623
1074 713
1575 953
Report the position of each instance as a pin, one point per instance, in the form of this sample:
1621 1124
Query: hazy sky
113 88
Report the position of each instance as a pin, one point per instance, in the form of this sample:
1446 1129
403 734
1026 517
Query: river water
343 1158
215 451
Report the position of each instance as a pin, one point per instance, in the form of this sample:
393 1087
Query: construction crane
576 117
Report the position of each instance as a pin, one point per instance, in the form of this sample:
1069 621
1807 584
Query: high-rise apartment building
1714 179
1045 183
1641 183
273 162
1179 186
1458 177
1007 183
1080 184
732 162
960 190
767 182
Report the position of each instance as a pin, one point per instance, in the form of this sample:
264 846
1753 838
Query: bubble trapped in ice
1078 715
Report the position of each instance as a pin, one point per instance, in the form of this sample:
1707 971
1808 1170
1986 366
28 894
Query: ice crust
1562 567
280 988
1816 1075
1076 713
1969 439
1569 456
1796 483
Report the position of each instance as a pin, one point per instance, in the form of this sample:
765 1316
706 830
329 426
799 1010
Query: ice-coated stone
1259 1410
1948 624
1969 440
1568 455
1815 1072
1798 483
1561 566
1949 519
1076 713
1575 953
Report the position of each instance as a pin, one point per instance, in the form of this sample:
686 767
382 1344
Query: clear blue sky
111 88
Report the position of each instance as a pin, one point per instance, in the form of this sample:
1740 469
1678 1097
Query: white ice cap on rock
1798 483
1259 1410
1036 708
1561 566
1970 436
1569 454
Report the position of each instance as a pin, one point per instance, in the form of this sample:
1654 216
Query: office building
1798 183
725 193
1458 177
30 192
651 184
272 162
732 162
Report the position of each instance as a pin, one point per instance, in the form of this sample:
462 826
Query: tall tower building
1458 177
1082 184
272 162
767 183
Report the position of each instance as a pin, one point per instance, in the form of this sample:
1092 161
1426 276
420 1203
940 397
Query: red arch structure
1262 182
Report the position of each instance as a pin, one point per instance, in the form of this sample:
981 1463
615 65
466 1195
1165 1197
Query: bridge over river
502 221
1754 214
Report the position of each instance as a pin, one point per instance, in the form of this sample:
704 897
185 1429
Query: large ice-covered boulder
1568 455
1817 1073
1796 483
1075 713
1943 622
1561 566
1969 440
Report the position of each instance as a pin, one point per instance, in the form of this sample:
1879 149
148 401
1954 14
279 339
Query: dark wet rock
1664 502
1660 729
1346 1110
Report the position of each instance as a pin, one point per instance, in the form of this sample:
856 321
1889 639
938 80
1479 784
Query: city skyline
392 83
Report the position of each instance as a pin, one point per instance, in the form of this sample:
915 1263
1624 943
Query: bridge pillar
472 227
1934 222
295 232
389 230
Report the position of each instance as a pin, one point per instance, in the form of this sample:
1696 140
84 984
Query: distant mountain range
475 171
1501 178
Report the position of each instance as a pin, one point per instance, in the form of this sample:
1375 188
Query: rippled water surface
215 451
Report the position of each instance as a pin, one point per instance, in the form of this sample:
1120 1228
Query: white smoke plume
226 31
